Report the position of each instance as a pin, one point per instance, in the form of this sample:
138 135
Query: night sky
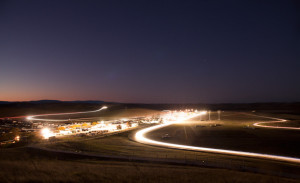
150 51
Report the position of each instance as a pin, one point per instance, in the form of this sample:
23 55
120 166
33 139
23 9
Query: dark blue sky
150 51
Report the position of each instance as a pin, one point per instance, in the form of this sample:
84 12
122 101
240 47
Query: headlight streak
140 137
259 124
32 117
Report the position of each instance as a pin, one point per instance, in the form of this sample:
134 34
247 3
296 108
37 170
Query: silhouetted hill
4 102
51 106
55 101
292 107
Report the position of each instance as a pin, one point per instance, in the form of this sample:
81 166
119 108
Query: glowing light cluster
46 133
17 138
29 118
180 116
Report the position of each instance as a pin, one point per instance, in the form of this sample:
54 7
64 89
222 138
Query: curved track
140 136
33 117
278 120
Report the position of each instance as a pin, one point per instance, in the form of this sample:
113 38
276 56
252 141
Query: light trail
140 137
33 117
278 120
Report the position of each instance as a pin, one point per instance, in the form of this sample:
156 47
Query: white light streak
140 137
33 117
260 124
46 133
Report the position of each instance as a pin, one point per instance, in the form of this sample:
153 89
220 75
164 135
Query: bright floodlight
29 117
104 107
46 133
204 112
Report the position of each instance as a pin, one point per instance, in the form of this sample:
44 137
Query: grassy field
22 165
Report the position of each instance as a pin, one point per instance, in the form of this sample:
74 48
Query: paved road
34 117
277 120
140 136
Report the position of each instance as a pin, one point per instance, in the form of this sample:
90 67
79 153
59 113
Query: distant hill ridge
55 101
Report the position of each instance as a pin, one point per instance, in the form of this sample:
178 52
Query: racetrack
152 136
34 117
